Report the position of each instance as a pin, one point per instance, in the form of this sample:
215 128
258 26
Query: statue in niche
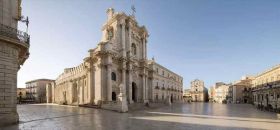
110 33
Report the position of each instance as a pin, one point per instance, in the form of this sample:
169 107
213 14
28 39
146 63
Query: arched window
133 49
113 76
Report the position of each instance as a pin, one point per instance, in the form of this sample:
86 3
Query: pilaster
98 93
109 84
123 38
130 84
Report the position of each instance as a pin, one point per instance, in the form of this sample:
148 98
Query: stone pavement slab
177 117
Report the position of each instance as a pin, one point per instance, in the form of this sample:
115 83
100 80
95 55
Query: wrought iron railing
14 33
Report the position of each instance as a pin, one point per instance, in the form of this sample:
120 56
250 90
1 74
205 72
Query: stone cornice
268 71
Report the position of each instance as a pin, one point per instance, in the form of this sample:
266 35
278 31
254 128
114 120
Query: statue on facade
122 99
110 34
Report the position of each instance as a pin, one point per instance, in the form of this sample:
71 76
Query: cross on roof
133 10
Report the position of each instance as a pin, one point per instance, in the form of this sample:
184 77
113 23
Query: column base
98 102
8 118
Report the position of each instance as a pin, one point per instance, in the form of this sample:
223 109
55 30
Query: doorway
114 96
134 87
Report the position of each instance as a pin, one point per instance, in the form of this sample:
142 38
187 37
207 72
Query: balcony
14 34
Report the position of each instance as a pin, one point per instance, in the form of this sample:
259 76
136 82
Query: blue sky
212 40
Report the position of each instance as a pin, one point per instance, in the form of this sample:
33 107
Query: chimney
110 13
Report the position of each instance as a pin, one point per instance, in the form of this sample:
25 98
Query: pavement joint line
22 122
219 117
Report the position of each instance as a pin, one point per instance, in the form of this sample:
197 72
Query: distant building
187 95
211 94
36 90
212 91
198 91
266 89
240 91
221 92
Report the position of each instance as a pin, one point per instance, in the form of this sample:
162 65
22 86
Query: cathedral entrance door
114 96
134 87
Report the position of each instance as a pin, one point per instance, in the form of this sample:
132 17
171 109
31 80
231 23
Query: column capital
100 65
122 22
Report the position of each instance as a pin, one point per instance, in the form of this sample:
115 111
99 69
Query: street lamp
26 21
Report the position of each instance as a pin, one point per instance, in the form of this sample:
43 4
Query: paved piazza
177 117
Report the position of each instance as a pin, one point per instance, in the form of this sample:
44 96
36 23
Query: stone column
130 84
147 87
143 88
129 40
83 88
72 91
124 77
53 91
98 93
91 83
123 39
78 92
109 84
145 51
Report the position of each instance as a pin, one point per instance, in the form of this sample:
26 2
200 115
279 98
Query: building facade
14 50
221 93
266 89
198 91
165 84
211 94
187 96
187 93
36 90
117 71
240 91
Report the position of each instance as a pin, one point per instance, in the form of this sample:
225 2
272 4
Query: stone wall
8 83
71 87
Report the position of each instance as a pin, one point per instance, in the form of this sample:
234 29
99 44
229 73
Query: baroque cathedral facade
117 72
